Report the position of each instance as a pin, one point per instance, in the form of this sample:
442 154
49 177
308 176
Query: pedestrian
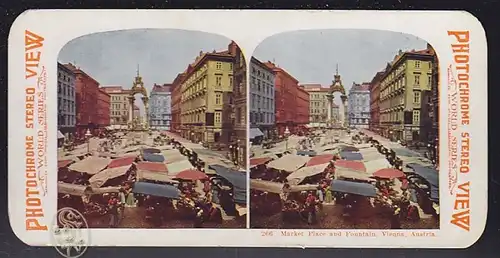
395 218
113 212
319 193
198 220
328 194
311 209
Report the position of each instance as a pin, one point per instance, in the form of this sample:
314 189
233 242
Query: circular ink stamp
70 234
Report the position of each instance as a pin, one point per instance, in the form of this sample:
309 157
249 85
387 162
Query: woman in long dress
130 202
328 195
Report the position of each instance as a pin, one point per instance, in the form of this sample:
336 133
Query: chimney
232 47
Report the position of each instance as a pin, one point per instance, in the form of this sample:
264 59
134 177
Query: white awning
289 163
298 176
177 167
60 135
255 132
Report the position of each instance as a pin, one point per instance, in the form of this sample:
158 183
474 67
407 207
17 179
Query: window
230 66
416 116
218 81
218 66
416 97
429 79
218 117
230 81
218 99
417 79
417 64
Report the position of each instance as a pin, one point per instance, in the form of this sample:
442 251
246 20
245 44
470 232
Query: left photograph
152 129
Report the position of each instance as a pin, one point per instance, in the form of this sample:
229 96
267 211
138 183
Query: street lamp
87 135
287 133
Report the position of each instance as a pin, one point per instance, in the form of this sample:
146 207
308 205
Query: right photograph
344 131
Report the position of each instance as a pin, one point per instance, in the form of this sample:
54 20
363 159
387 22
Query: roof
202 58
314 87
136 107
161 88
114 89
259 63
360 87
151 166
126 161
277 69
64 163
77 70
65 68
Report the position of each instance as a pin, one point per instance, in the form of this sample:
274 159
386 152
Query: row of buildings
82 104
404 98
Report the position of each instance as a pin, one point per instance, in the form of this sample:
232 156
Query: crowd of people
395 198
198 205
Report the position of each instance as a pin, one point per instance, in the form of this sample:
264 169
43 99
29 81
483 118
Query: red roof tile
320 159
151 166
64 163
120 162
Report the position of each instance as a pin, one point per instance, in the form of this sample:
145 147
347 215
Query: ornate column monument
337 87
138 87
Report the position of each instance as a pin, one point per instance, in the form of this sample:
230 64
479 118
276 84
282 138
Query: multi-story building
206 98
239 150
175 95
302 109
359 105
374 102
160 109
434 107
285 97
404 82
318 104
66 102
87 91
119 109
262 90
103 109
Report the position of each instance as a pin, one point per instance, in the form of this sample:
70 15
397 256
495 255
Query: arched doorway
138 88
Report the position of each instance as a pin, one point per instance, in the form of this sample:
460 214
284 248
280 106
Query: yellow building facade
119 109
404 89
206 98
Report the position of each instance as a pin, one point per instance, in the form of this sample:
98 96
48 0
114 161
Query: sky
112 57
312 56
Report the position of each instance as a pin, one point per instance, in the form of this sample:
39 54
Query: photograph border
216 22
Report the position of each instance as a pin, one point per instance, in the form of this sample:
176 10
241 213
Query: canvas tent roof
108 189
72 189
374 165
176 167
255 132
362 189
102 177
237 178
90 165
167 191
155 176
288 163
266 186
301 174
352 174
